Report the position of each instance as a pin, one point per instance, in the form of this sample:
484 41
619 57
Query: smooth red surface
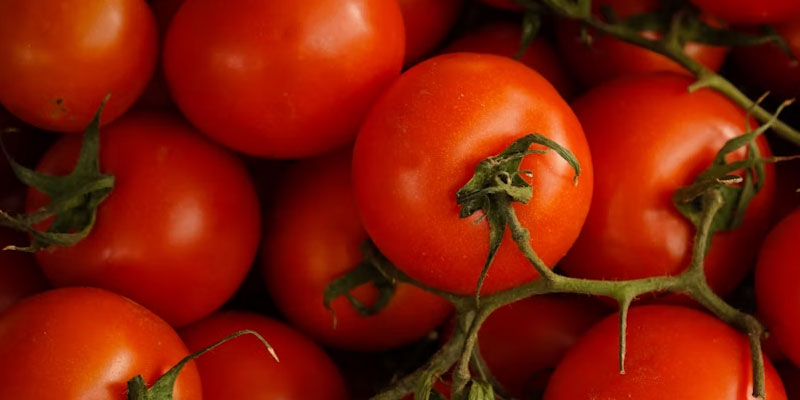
314 236
672 353
608 58
19 275
242 369
426 24
777 274
84 343
59 59
503 38
181 228
421 143
282 78
768 68
649 137
751 11
524 341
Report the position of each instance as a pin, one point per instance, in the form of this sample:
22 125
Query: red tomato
524 341
649 137
156 95
776 285
505 4
179 231
420 144
19 275
242 369
426 23
84 343
767 67
282 78
751 12
503 38
608 57
308 246
58 59
672 353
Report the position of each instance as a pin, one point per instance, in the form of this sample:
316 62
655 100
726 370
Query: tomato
672 353
242 369
180 230
282 78
649 137
307 246
426 24
524 341
767 67
19 275
54 75
422 141
505 4
751 12
156 95
608 57
503 38
790 374
776 288
84 343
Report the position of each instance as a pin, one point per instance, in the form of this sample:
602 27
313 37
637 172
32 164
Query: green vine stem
670 46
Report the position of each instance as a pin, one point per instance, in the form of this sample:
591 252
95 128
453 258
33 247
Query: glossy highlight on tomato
180 229
313 237
649 136
60 58
85 343
282 78
422 141
672 353
242 369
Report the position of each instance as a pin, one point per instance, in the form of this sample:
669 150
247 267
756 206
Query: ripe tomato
672 353
767 67
84 343
751 12
58 59
649 137
503 38
307 246
156 95
179 231
608 57
19 275
524 341
421 142
776 285
426 23
242 369
282 78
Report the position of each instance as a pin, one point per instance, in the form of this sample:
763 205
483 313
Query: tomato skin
55 78
308 245
503 38
426 23
299 87
85 343
776 285
751 12
421 143
609 58
242 369
181 228
19 275
662 140
524 341
768 67
672 353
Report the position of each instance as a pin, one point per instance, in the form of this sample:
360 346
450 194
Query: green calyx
163 388
74 198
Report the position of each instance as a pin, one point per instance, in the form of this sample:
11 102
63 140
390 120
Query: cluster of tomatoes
389 105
